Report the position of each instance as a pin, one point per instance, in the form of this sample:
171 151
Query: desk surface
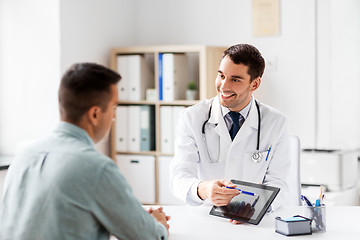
195 223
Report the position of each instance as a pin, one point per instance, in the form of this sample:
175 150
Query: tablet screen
250 205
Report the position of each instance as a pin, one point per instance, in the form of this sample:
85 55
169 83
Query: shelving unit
203 62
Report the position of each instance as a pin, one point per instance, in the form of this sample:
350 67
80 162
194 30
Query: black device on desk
250 205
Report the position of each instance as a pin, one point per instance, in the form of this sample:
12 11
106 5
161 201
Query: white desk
195 223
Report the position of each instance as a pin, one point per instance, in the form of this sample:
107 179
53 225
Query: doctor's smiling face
234 84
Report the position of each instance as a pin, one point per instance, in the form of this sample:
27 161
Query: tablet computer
250 205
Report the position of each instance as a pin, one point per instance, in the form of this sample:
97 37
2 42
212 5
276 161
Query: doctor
231 136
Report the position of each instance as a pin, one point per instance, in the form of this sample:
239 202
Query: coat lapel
249 126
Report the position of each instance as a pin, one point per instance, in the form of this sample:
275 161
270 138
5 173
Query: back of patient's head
85 85
248 55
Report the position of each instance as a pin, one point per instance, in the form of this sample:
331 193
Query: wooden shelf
205 60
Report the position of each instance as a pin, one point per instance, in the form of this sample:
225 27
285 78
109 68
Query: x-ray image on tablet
250 205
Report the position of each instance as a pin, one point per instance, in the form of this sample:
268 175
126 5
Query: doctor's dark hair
85 85
248 55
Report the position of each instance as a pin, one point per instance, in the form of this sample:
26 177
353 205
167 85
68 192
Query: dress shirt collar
74 131
244 112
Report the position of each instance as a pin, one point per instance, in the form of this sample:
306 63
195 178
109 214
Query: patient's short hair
85 85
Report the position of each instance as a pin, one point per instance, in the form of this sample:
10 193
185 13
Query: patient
62 188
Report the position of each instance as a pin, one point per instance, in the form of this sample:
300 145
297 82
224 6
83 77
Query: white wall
39 40
29 71
314 77
228 22
90 28
338 74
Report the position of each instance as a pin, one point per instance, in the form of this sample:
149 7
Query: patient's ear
93 115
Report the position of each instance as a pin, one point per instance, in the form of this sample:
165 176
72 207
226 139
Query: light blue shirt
62 188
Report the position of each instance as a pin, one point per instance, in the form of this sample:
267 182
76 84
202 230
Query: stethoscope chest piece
257 157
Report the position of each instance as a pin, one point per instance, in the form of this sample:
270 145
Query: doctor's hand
216 192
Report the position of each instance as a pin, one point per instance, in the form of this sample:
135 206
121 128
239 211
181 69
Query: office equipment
141 77
136 77
268 152
139 171
297 225
335 169
241 191
318 216
175 76
147 128
121 133
166 129
160 76
122 69
248 208
134 128
306 200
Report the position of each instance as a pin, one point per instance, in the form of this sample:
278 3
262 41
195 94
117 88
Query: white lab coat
229 159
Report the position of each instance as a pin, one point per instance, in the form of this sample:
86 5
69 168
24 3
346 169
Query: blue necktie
235 116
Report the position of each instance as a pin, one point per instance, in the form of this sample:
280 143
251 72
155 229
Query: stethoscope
257 156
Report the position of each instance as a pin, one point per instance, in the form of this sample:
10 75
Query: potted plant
191 91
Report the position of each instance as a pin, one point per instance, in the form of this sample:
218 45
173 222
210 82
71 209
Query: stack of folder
135 128
136 77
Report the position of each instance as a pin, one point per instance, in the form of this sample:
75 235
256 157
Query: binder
166 130
122 69
141 77
139 172
176 112
160 76
136 77
147 128
121 131
134 129
175 76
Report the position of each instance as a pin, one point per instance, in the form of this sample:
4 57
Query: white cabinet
139 171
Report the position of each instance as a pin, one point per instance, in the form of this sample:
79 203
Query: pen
268 151
318 201
244 192
306 200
